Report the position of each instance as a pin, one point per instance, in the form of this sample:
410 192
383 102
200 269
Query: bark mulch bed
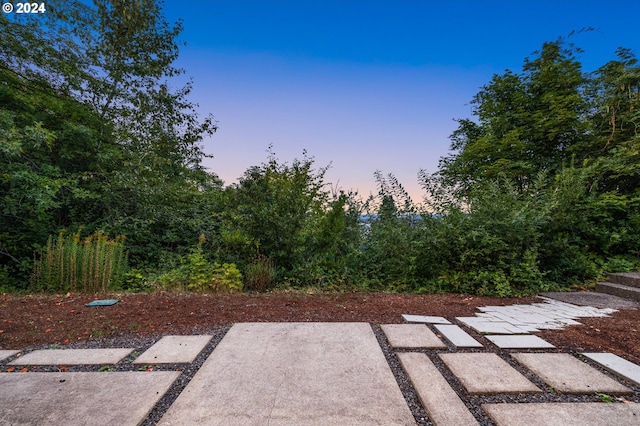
35 320
138 320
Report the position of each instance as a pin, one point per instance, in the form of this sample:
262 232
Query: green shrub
135 281
196 273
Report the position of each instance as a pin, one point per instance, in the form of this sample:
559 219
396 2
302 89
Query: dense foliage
541 189
92 136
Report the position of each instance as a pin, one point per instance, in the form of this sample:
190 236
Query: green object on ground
105 302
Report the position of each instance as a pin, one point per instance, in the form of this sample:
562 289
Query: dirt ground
27 321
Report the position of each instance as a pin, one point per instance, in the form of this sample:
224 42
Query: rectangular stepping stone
441 402
486 373
578 311
457 336
551 312
118 398
72 357
528 328
566 321
411 336
574 311
4 354
481 325
617 365
547 311
425 319
563 413
530 318
174 350
550 326
535 319
490 308
508 318
487 317
520 342
570 306
567 374
290 374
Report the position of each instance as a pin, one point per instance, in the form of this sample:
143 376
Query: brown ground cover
27 321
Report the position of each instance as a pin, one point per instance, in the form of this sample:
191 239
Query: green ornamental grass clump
93 264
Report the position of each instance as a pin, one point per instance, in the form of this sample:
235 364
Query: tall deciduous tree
92 133
525 122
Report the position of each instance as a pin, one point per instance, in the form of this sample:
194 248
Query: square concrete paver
120 398
72 357
440 401
486 373
291 374
567 374
564 414
174 350
457 336
617 365
4 354
411 336
520 342
425 319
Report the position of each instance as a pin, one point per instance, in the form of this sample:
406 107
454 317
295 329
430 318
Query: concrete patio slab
486 373
291 374
425 319
174 350
565 414
457 336
120 398
4 354
520 342
440 401
411 336
72 357
617 365
567 374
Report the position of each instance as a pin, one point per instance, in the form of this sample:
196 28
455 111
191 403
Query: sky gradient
367 85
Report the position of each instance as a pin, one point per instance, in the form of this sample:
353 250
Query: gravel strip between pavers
408 391
473 402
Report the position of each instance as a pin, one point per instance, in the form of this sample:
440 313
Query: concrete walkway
330 374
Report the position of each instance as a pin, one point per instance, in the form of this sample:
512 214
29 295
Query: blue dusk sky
367 85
